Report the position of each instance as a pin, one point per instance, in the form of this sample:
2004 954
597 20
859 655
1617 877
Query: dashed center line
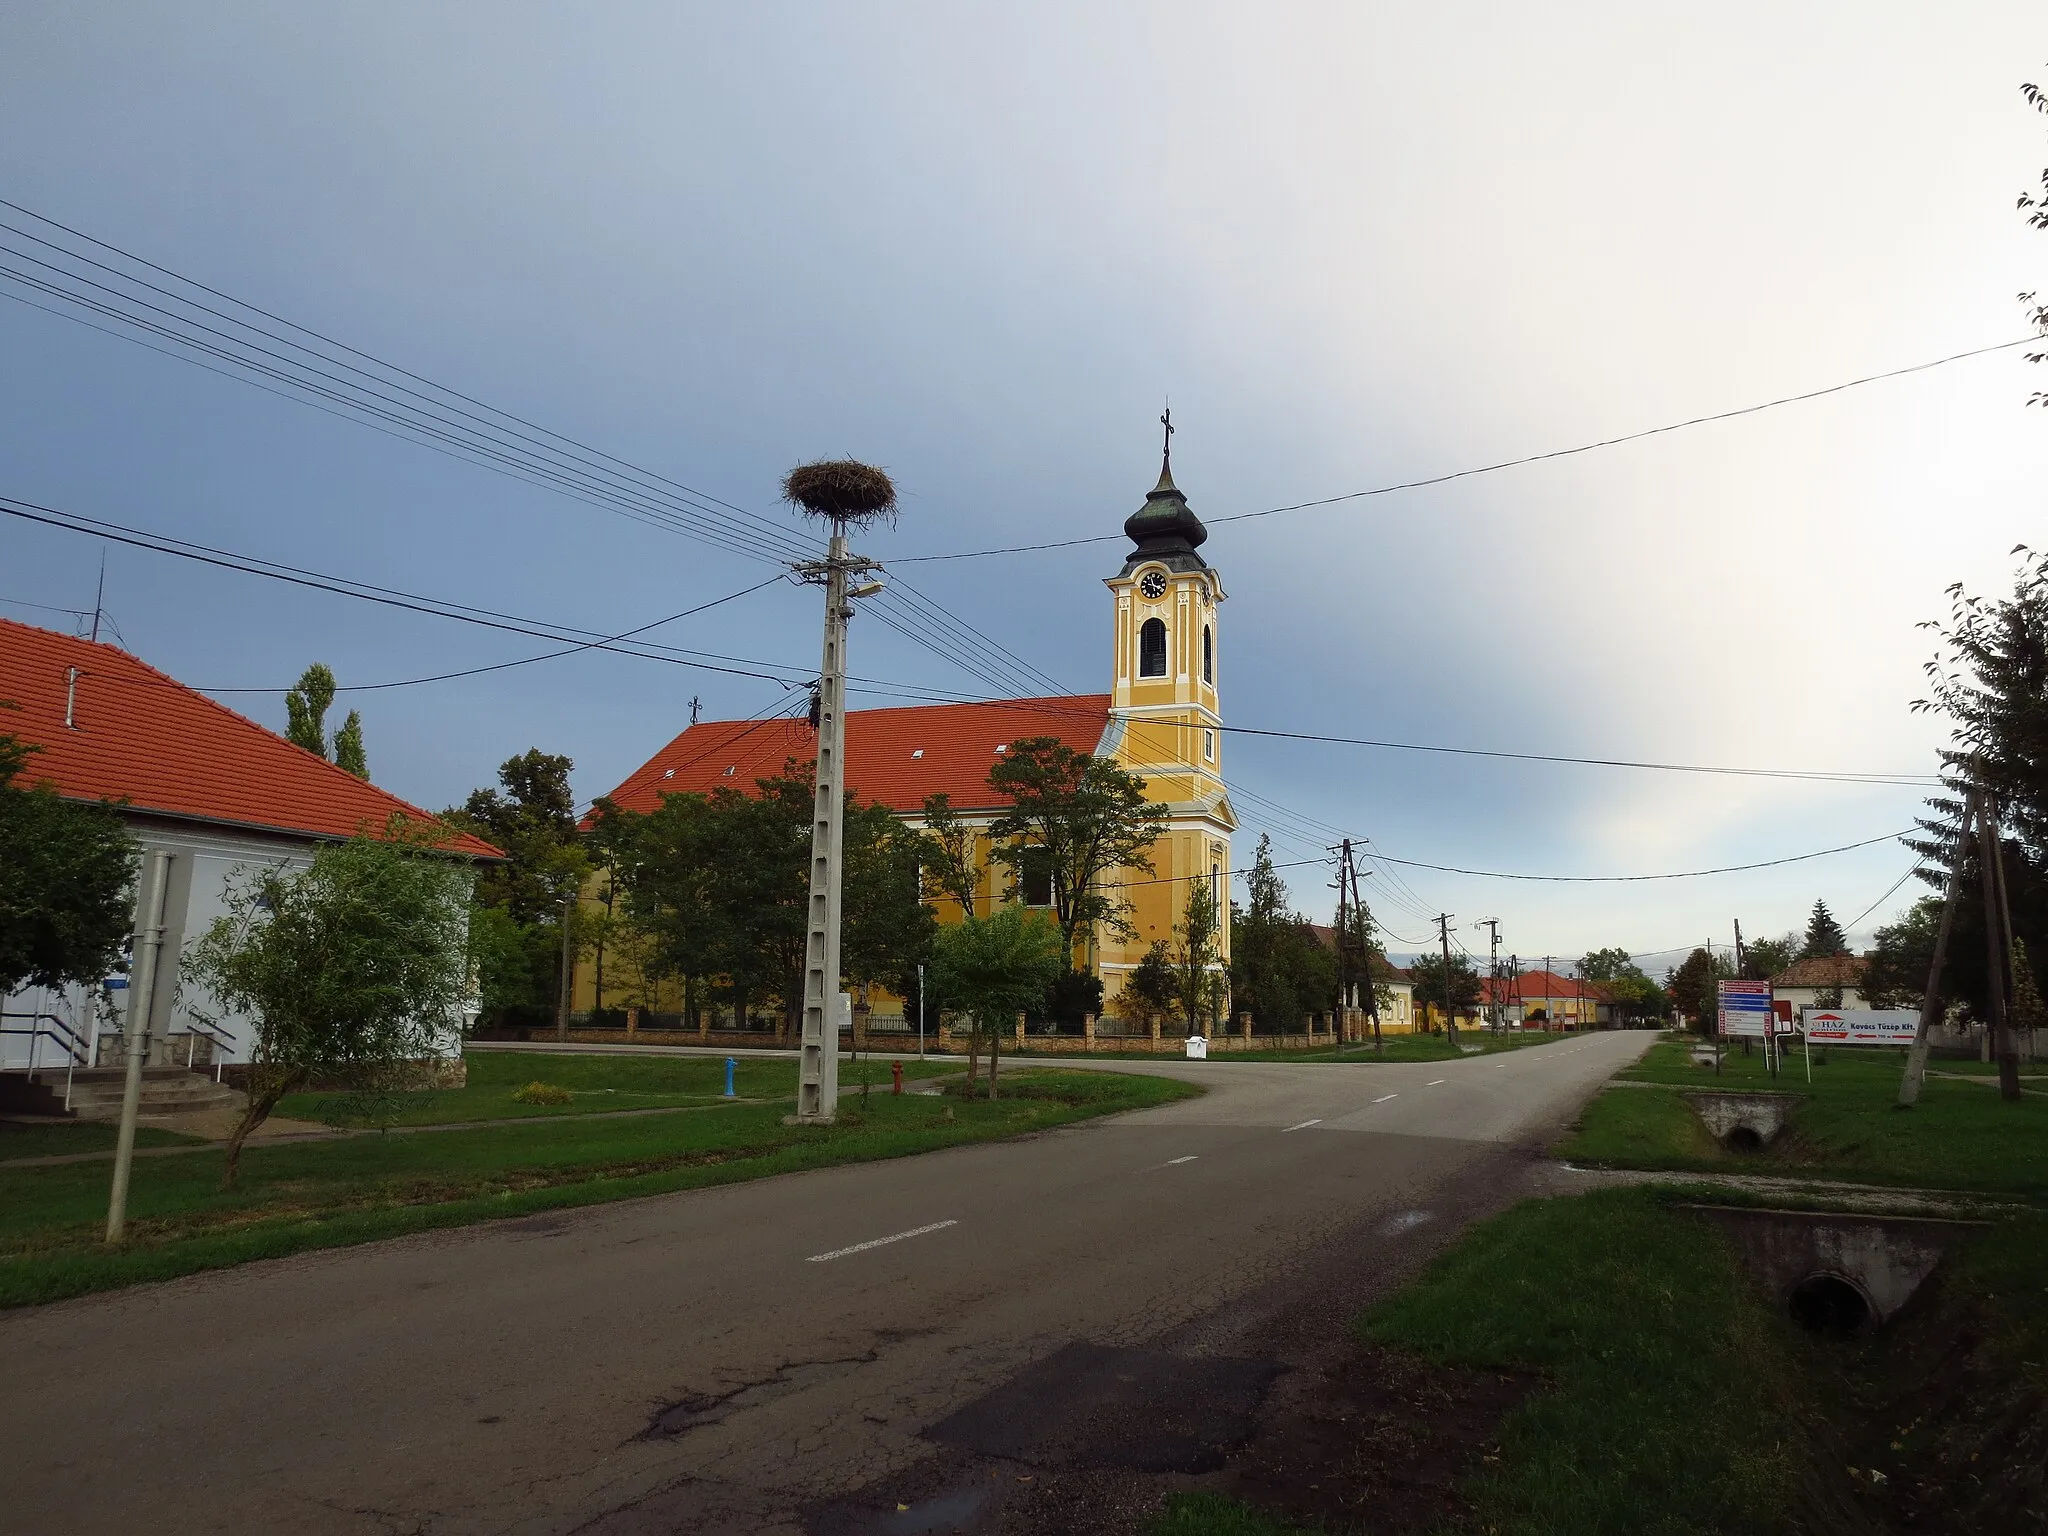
1188 1159
877 1242
1384 1098
1438 1083
1301 1127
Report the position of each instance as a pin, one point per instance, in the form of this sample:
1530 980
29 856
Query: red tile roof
1823 971
1544 986
148 739
894 756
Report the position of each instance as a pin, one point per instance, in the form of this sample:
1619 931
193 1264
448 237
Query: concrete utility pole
1549 1002
149 940
1372 991
843 492
1998 942
1492 927
565 993
1930 1000
1443 933
1343 943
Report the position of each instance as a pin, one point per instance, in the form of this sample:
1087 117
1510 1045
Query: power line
1532 458
1682 874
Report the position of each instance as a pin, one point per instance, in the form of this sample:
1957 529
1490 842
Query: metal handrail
76 1050
222 1039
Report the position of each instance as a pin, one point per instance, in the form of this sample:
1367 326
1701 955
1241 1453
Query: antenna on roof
99 595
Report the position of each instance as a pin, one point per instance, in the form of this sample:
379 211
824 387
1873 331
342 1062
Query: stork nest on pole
842 490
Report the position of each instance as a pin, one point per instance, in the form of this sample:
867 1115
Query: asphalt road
735 1359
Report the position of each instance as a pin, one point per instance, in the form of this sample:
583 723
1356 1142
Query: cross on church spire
1166 451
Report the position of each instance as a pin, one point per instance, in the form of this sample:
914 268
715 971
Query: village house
1824 981
212 791
1160 719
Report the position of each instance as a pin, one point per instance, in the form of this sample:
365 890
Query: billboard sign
1861 1026
1746 1009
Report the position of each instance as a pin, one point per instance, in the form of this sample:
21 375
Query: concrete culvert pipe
1743 1139
1829 1304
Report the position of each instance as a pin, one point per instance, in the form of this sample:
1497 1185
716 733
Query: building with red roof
1160 719
210 789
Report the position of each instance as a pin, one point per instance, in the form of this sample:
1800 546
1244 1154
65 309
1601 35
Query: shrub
542 1093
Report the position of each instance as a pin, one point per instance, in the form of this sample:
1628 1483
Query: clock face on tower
1153 585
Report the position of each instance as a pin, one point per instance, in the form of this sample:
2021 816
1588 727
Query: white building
197 782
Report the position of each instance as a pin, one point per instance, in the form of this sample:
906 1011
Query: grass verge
1671 1404
58 1138
1395 1048
594 1082
1960 1135
330 1193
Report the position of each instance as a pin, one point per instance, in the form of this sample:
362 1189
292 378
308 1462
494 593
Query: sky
984 247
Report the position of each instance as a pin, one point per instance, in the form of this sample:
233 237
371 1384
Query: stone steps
96 1093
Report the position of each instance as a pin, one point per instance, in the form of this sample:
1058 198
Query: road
730 1359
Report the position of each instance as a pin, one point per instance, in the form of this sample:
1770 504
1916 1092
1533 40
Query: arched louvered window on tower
1152 648
1208 656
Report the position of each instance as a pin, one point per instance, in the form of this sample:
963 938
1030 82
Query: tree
1280 970
305 708
948 853
1148 990
352 968
1989 676
994 968
348 747
1200 985
1634 994
2035 207
1899 961
66 873
1824 937
1085 818
886 927
1454 992
531 818
1695 988
1765 958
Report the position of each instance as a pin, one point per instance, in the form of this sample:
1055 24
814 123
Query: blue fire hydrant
730 1064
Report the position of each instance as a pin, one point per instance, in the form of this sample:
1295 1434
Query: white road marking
1407 1221
840 1253
1301 1127
1384 1099
1438 1083
1188 1159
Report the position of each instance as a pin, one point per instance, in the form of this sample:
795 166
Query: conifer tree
1824 936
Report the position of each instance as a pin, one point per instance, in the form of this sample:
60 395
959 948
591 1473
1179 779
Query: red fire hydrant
896 1076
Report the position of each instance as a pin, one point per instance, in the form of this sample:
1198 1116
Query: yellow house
1159 719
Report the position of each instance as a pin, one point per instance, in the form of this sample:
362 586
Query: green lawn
1671 1404
595 1082
322 1194
1961 1135
54 1138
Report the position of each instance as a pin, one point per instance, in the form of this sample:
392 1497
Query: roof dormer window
919 752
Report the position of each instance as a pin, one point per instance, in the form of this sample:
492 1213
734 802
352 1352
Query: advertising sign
1746 1009
1861 1026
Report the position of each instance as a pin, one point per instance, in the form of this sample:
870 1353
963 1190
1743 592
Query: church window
1152 649
1209 746
1208 655
1034 878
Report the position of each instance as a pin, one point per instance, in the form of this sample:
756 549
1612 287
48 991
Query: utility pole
841 493
1515 973
1343 944
1998 942
1372 991
149 934
1930 1001
1492 927
1443 933
1549 1002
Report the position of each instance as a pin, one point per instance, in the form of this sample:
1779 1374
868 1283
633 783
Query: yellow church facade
1160 719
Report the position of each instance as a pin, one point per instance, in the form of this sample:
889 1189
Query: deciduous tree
994 968
351 968
66 875
1085 817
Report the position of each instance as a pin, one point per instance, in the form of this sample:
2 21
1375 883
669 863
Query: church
1158 719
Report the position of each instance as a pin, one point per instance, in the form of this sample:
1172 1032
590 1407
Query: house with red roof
1159 719
1546 998
211 790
